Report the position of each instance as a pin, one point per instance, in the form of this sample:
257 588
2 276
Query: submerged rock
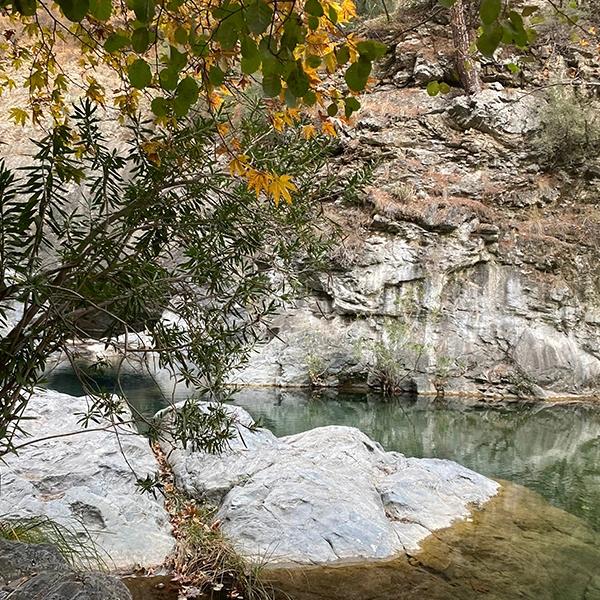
85 482
517 547
327 495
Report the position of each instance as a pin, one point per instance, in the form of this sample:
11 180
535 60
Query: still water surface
551 449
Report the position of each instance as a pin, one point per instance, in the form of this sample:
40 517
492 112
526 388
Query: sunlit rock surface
85 482
329 494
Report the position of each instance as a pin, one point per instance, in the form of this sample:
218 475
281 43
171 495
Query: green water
553 450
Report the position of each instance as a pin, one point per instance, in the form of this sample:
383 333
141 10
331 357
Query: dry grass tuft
204 561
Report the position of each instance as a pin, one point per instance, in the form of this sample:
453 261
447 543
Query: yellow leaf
223 128
280 187
309 132
328 129
239 165
278 120
18 115
258 181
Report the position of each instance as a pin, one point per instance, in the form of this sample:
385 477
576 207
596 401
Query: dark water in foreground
551 449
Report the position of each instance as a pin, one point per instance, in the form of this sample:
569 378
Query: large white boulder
87 481
327 495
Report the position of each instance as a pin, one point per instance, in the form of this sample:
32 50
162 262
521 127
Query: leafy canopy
177 50
164 248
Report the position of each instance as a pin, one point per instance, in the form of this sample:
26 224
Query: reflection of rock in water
554 450
518 546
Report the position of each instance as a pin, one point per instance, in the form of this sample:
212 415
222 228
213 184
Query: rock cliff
470 263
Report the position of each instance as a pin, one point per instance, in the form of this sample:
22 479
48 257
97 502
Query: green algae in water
517 547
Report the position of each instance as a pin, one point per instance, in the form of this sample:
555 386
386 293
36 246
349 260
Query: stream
518 547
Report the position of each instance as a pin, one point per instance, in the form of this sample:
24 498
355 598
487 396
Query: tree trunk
467 72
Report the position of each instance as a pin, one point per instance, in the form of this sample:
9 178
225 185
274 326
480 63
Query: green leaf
168 78
26 8
447 3
313 23
101 9
115 42
180 107
292 33
160 107
271 85
226 34
489 40
357 74
143 9
216 75
332 109
177 59
514 69
188 91
258 16
342 55
444 88
200 46
297 81
181 36
140 40
371 49
529 10
140 74
74 10
490 10
291 101
333 16
314 8
313 61
251 60
433 88
310 98
351 105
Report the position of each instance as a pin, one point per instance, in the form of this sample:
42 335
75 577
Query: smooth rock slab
326 495
85 482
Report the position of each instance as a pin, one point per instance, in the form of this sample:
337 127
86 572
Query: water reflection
517 547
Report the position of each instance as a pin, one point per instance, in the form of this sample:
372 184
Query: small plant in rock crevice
569 133
392 358
204 561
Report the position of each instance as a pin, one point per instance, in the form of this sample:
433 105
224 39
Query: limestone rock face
478 255
327 495
84 482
